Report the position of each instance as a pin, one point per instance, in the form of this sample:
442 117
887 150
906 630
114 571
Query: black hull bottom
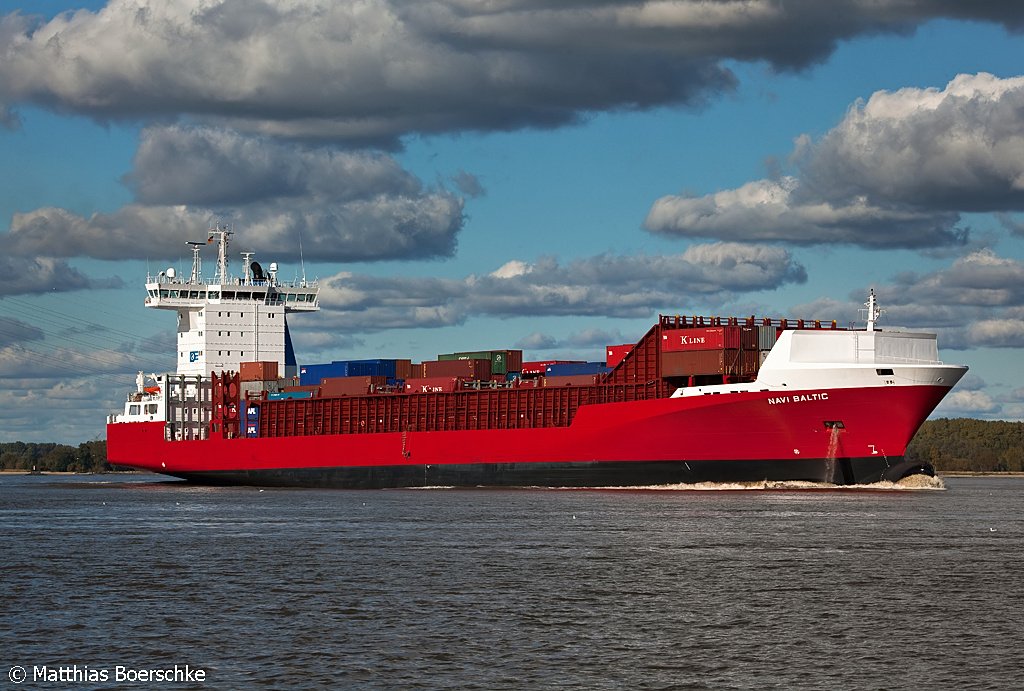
844 471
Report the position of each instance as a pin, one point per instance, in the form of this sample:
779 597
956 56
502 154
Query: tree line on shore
88 457
964 444
957 444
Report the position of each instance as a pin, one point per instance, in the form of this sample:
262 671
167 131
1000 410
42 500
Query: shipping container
731 362
567 369
308 388
253 389
502 361
350 386
709 338
748 337
766 337
539 366
374 367
283 395
614 354
261 370
312 374
474 369
433 385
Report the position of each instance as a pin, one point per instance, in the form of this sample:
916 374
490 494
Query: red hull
796 428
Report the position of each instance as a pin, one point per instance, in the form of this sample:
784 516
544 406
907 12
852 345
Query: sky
463 175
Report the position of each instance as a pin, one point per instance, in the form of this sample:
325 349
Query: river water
761 588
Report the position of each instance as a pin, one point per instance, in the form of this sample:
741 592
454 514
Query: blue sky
467 175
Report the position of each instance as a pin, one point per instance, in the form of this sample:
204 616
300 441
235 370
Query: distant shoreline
18 471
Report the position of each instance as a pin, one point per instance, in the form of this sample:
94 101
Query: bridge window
134 409
151 408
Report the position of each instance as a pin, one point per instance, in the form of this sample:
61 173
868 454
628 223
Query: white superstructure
230 320
835 359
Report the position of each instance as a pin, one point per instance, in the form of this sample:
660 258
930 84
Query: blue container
378 367
281 395
571 368
310 375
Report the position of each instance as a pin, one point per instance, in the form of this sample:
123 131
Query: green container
498 358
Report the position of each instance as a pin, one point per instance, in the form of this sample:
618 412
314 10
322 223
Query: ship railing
682 321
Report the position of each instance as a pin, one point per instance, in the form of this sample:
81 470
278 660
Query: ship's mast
872 309
222 235
197 262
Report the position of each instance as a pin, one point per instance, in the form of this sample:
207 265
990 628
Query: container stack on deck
495 389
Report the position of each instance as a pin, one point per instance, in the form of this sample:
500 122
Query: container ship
696 399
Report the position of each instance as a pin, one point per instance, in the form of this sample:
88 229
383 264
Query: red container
678 340
403 369
731 361
614 354
315 389
432 385
748 338
474 370
262 370
349 386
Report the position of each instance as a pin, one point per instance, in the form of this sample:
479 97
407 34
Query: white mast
222 234
872 309
197 262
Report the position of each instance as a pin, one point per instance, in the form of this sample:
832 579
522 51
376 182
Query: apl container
540 366
564 370
312 374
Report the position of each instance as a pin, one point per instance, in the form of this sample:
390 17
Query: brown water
750 588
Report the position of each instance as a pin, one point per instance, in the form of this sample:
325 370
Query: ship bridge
231 319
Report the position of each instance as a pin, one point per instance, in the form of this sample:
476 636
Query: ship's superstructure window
134 409
151 408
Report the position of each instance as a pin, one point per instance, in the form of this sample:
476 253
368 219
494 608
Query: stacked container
474 369
720 350
263 370
575 368
502 361
538 367
350 386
